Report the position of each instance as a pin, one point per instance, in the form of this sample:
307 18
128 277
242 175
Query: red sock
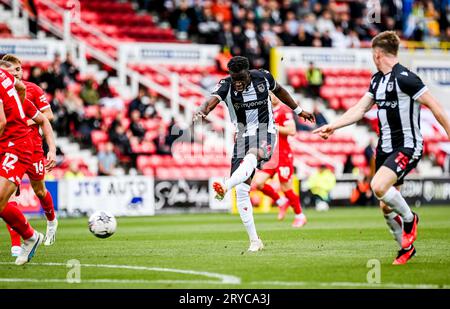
15 237
15 218
294 200
269 191
47 205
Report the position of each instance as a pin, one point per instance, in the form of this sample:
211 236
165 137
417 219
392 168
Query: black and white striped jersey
250 110
395 94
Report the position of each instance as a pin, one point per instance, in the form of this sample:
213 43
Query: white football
102 224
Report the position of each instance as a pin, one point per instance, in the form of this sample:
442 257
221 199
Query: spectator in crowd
88 93
107 160
226 38
114 101
74 110
144 104
73 172
136 127
315 79
69 70
120 138
348 165
136 103
307 22
303 38
104 90
184 20
362 194
209 26
320 118
35 75
53 79
320 184
369 154
89 124
161 141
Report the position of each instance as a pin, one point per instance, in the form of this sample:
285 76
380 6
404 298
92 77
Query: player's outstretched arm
286 98
206 108
354 114
47 130
439 113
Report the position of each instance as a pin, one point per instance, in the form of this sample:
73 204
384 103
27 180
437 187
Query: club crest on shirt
390 86
261 87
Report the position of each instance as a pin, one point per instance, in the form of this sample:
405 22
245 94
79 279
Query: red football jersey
16 112
37 96
281 115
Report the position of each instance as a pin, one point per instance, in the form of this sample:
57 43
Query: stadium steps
72 151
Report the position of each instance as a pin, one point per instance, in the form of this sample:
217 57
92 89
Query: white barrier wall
33 50
169 53
122 196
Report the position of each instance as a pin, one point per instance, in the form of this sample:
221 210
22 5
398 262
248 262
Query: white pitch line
353 284
224 279
138 281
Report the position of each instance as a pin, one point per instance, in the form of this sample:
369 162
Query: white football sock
281 201
395 200
243 172
302 215
395 227
245 209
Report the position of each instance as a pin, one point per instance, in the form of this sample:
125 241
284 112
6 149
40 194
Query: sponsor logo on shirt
386 104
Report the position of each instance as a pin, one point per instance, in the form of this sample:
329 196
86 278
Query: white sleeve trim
368 93
420 92
37 113
45 107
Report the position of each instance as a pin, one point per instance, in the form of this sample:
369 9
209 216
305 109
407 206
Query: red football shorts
284 167
36 171
16 160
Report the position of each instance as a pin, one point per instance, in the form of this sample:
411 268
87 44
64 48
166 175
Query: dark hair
237 64
387 41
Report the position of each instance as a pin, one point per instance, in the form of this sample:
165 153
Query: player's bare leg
281 201
383 186
14 218
294 200
47 204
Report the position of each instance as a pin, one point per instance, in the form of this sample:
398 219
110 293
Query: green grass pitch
209 251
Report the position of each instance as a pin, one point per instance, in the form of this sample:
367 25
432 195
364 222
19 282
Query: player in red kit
282 162
36 172
16 152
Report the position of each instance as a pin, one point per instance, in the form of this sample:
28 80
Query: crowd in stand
252 27
79 103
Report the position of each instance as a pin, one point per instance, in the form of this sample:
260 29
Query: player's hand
324 131
198 115
308 117
51 161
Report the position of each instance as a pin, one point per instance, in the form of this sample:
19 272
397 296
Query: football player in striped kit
246 94
398 94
